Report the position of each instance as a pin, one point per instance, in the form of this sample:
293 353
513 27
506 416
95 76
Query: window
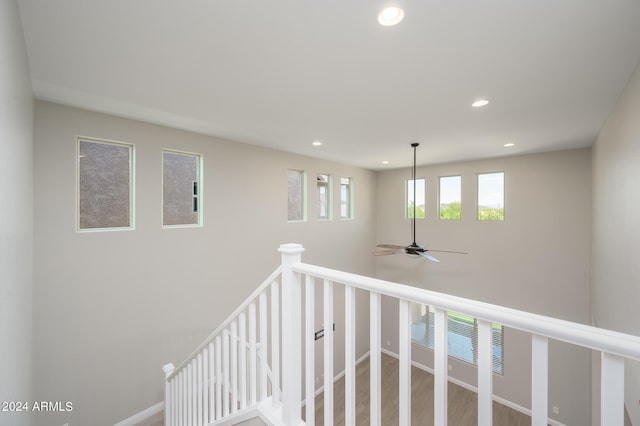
181 189
324 196
296 195
105 185
346 198
462 335
450 197
491 196
418 190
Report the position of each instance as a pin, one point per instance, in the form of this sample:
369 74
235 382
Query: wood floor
462 404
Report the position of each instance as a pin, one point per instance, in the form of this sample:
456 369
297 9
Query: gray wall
112 307
536 260
16 215
615 286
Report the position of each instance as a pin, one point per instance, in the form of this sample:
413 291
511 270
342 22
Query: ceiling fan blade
388 252
448 251
429 257
390 246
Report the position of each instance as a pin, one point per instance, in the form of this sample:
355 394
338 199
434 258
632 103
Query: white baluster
205 386
350 355
168 395
612 390
374 360
328 353
212 393
182 413
198 385
242 362
225 373
219 378
234 366
441 351
404 353
539 379
253 361
194 391
485 374
263 346
176 401
189 393
309 351
275 343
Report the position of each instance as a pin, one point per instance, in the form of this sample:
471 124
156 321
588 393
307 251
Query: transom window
491 196
346 198
181 189
104 185
296 198
450 194
416 195
324 196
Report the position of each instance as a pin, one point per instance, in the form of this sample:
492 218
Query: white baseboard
142 415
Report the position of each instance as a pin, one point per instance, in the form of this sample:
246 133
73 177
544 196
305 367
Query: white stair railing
225 375
232 369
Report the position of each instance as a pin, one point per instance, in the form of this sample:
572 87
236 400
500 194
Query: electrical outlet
556 410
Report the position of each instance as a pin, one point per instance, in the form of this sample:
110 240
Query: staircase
250 369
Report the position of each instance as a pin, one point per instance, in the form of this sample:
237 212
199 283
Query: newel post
168 370
291 334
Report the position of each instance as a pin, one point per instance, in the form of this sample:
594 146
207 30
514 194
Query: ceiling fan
413 248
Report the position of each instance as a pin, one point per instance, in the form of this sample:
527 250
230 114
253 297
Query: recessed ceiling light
385 162
509 144
480 103
316 143
391 15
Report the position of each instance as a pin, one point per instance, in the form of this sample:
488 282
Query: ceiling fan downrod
414 145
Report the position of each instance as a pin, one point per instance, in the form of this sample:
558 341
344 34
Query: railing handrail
627 346
227 321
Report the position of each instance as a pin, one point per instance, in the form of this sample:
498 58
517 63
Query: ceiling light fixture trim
391 15
480 103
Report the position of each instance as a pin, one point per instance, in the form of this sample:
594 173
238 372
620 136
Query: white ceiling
285 73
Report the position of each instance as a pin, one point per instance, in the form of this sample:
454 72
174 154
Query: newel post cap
168 368
291 248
